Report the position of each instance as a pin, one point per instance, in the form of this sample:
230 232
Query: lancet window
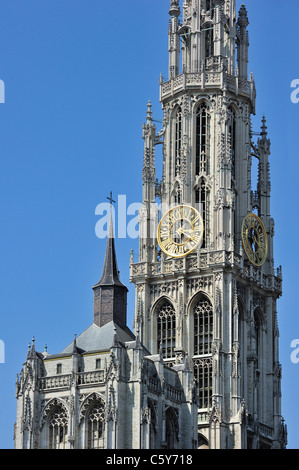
58 428
96 426
202 159
202 360
232 138
177 194
209 41
166 330
178 141
202 200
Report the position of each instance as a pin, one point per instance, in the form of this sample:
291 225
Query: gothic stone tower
216 305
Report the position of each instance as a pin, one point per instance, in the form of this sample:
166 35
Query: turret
242 42
174 39
148 213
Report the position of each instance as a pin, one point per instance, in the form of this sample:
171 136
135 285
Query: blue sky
78 75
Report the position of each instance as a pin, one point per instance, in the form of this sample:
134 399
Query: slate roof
95 338
110 274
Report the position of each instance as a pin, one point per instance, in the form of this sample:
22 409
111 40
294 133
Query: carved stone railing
173 393
203 417
87 378
53 382
64 381
206 79
266 430
154 385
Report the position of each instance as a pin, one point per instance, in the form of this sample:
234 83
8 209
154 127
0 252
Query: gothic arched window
96 426
202 157
202 199
257 335
177 194
166 330
203 327
203 377
202 360
178 141
171 429
209 41
153 423
232 137
58 428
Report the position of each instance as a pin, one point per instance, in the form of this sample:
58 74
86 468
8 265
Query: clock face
180 231
254 239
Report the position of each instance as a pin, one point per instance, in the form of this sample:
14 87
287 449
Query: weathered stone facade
202 370
215 295
105 390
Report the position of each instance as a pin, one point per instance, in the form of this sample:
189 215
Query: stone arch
95 422
55 423
50 406
165 320
176 193
87 403
203 442
172 428
152 424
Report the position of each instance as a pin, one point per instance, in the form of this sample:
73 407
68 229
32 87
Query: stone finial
264 127
243 17
149 114
174 8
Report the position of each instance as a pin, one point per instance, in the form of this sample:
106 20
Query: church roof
96 338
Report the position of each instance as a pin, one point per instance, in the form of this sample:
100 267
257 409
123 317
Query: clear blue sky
78 75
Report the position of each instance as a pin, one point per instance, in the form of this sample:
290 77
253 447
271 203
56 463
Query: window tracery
58 428
202 158
166 329
202 360
96 426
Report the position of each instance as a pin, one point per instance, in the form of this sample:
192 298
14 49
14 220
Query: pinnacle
175 8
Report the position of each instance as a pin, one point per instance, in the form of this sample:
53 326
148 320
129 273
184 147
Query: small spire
110 274
28 350
75 350
31 350
264 127
45 353
149 114
243 17
174 8
112 306
115 343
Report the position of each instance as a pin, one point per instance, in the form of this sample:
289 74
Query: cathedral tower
216 303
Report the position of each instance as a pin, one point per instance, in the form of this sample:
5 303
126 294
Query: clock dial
180 231
254 239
